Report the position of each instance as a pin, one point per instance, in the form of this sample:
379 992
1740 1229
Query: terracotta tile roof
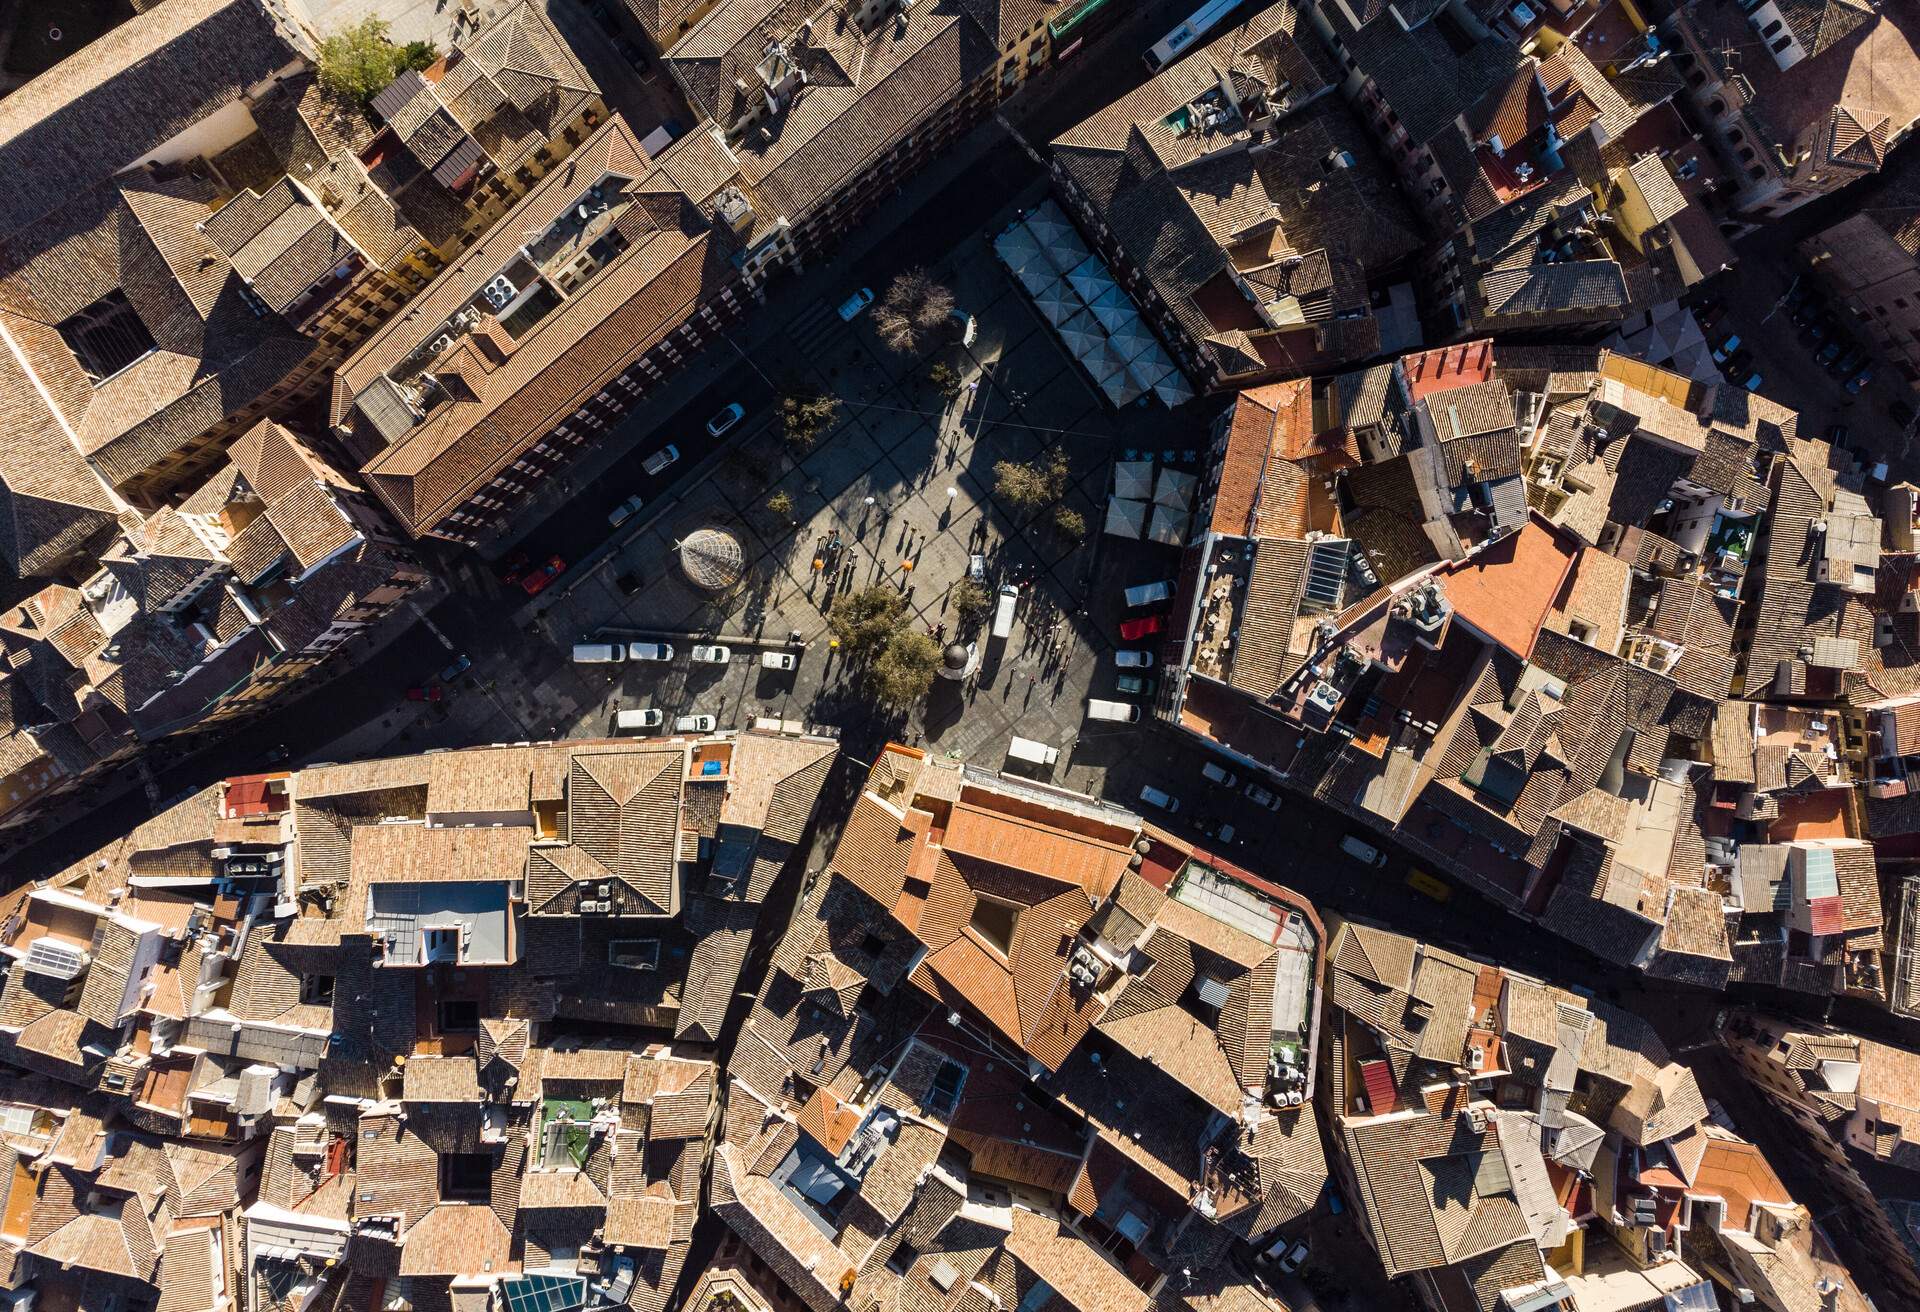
456 1239
406 853
1506 588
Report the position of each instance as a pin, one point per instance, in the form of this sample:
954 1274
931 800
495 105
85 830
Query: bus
1184 37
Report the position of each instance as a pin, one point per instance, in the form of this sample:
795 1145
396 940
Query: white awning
1126 519
1133 478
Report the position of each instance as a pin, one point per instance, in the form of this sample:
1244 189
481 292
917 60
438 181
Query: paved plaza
904 477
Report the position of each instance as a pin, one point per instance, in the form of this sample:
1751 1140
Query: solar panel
545 1293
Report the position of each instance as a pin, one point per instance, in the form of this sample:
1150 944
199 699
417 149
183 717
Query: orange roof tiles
1448 367
1505 589
1036 848
1737 1171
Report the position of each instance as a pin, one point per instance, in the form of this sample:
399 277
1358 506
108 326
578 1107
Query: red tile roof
1448 367
1505 589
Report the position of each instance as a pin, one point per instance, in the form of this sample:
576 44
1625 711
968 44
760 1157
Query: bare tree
913 313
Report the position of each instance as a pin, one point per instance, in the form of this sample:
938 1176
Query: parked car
1146 594
645 718
977 568
626 510
726 419
649 651
1135 629
1427 886
430 693
631 52
458 666
1850 359
851 307
1215 828
1362 851
693 724
1726 348
1294 1257
1819 329
534 582
599 653
1214 772
1159 797
1830 350
1860 379
715 654
1753 381
1137 685
1133 660
779 660
660 459
1098 708
1260 795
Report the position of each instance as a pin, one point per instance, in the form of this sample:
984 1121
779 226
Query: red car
1134 630
432 693
536 580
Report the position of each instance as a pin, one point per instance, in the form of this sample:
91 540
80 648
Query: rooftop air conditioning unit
1476 1058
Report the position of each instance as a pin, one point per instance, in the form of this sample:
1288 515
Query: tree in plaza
1032 484
903 672
806 414
781 503
945 380
913 313
360 62
866 621
970 600
1069 524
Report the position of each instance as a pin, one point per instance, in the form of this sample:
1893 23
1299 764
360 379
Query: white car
1219 774
626 510
660 459
633 721
726 419
714 655
860 300
693 724
1155 797
649 651
779 660
1263 797
1295 1256
1133 660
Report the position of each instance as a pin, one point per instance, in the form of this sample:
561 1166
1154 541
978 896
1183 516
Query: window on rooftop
994 921
107 336
459 1016
466 1177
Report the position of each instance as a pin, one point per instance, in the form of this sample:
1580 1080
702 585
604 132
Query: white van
1003 613
778 660
1157 797
599 653
1124 712
649 651
636 721
1362 851
1148 593
1219 774
1036 753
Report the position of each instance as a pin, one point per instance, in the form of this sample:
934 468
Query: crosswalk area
815 326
